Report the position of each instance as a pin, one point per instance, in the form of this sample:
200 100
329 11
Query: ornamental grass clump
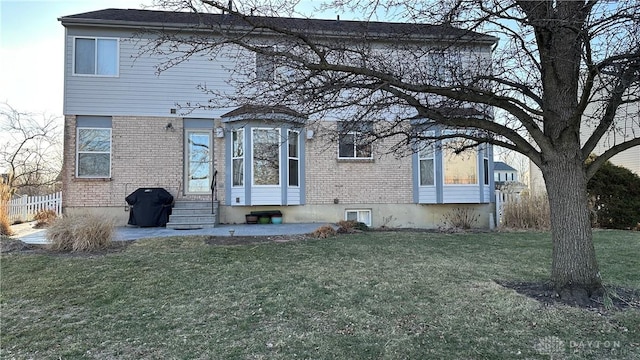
44 218
529 212
5 196
351 226
81 233
324 231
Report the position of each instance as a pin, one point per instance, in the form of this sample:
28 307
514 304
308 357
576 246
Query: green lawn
375 295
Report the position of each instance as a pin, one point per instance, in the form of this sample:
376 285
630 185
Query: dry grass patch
82 233
529 213
5 197
369 295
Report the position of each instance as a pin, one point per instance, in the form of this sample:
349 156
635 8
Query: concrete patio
30 235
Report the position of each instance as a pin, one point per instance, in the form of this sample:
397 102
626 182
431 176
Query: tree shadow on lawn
611 298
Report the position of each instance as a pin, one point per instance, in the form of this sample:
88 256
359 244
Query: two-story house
124 129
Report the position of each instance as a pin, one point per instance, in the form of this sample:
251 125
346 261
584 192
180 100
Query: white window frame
240 135
356 135
253 170
78 152
117 55
296 157
359 212
430 144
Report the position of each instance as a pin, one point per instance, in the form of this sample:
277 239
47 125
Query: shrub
529 212
82 233
460 218
615 195
45 217
324 232
5 196
350 226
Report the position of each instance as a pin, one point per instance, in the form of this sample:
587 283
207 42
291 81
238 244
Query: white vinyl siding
461 194
138 89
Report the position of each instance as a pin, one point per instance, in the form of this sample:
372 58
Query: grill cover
149 207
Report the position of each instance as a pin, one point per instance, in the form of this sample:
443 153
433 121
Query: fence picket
24 208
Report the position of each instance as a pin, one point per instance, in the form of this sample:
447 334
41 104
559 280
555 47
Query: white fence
503 197
24 208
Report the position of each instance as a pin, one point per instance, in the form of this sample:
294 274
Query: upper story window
353 142
444 66
95 56
265 67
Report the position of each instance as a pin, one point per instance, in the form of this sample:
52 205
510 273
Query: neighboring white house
627 126
124 130
503 173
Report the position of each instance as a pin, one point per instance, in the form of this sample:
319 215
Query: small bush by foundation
351 226
83 233
44 218
460 218
324 232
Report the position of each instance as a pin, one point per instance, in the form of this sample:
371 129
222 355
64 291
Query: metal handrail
214 190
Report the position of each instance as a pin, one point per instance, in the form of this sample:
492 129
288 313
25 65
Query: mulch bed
618 298
248 240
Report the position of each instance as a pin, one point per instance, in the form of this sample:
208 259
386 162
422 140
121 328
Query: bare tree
30 151
561 68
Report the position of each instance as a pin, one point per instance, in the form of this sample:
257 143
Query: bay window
266 156
237 157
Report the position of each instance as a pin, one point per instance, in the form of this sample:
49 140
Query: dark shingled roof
149 18
262 109
500 166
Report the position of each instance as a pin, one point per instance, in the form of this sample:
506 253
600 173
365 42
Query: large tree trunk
574 269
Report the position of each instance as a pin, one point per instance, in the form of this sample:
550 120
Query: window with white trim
265 66
353 142
459 167
293 140
444 66
363 216
266 156
93 157
426 159
95 56
237 157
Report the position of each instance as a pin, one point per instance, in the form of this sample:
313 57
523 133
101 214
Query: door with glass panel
198 161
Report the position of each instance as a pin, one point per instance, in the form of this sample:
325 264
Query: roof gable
500 166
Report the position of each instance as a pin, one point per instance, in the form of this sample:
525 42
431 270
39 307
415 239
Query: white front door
198 161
